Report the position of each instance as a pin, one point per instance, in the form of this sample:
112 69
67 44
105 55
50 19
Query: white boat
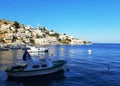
35 67
33 49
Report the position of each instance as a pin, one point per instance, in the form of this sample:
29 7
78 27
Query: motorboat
34 67
33 49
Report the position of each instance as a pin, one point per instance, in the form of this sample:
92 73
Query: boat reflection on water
45 80
40 55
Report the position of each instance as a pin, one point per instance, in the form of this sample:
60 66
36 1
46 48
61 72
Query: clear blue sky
95 20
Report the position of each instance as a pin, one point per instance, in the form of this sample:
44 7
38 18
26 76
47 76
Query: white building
39 32
51 32
4 27
29 27
28 33
9 36
76 41
62 36
52 40
42 41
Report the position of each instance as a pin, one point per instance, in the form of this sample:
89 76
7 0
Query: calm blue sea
101 67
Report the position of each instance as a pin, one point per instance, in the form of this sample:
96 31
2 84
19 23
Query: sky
92 20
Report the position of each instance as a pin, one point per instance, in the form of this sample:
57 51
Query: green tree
16 24
51 30
59 39
14 38
64 34
32 41
5 23
84 42
2 41
55 35
64 41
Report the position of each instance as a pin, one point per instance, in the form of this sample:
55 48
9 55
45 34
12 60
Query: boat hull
36 51
51 70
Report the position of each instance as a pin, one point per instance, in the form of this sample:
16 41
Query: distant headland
12 32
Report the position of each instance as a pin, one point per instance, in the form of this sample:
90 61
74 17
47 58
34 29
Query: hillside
12 32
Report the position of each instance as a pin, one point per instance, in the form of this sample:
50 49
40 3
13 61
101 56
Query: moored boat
4 49
35 67
33 49
15 47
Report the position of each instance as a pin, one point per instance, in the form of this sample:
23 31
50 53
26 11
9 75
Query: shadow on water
46 80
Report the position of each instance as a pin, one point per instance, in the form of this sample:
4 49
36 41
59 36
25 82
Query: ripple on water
3 78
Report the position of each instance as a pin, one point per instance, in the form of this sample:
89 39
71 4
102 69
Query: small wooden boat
35 67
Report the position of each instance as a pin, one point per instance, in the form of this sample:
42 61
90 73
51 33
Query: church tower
39 28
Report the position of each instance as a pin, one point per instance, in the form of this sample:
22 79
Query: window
35 66
43 65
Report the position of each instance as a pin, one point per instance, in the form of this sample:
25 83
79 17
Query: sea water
89 65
